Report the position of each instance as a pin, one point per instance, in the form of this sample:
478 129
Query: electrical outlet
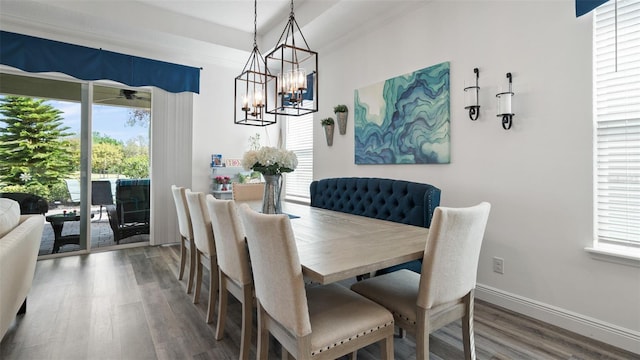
498 265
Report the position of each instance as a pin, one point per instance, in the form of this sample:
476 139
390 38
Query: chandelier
296 90
251 87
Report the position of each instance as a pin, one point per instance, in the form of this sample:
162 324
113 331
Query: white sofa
19 243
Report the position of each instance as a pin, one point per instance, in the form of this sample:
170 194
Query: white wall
538 175
214 131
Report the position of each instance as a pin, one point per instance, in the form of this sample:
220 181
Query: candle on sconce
504 103
504 99
469 94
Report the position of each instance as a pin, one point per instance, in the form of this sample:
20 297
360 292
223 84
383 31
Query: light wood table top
334 246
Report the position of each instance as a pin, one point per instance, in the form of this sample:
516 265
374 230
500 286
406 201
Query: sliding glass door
120 182
79 154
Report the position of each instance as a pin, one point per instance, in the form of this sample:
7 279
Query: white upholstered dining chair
234 268
186 235
444 291
321 322
248 191
205 248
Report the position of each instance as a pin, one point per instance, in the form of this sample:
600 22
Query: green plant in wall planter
328 124
342 113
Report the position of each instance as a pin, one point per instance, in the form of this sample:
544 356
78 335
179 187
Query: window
617 125
299 139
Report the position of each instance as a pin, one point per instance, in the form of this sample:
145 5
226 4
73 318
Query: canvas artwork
404 120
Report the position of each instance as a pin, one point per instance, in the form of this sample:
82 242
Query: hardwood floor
128 304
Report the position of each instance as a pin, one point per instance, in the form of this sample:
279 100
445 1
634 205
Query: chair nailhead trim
406 318
351 338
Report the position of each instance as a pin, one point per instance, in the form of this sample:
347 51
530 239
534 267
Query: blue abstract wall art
404 120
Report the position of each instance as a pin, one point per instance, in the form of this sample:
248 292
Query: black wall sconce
504 106
471 98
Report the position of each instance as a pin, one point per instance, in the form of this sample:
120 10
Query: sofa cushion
9 215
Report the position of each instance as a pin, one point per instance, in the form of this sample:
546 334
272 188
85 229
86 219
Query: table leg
57 234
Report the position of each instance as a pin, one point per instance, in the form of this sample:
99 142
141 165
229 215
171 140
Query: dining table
334 246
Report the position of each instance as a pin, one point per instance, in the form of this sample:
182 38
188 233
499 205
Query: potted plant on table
271 163
328 125
342 113
222 182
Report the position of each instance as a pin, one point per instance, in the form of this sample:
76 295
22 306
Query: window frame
615 118
304 172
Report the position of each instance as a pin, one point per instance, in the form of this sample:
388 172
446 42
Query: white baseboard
608 333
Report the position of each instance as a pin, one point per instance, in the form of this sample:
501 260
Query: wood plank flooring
128 304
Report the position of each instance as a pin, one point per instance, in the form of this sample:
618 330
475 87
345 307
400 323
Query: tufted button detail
396 200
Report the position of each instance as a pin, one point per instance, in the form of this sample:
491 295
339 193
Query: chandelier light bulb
245 104
302 79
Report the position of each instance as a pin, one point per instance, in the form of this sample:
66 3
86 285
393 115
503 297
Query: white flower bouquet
270 161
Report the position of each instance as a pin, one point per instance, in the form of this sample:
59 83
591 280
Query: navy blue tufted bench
387 199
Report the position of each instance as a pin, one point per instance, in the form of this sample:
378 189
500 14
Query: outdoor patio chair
131 213
101 194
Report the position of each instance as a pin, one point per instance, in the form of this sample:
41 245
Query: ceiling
235 14
192 30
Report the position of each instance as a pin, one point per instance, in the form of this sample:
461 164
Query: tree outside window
35 147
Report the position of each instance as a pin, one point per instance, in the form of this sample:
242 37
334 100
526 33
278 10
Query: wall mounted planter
328 132
342 121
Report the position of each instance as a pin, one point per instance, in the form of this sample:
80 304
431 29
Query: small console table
57 223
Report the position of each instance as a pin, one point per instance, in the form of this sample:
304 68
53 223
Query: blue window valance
33 54
585 6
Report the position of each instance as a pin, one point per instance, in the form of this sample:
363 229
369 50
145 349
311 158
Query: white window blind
299 139
617 113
